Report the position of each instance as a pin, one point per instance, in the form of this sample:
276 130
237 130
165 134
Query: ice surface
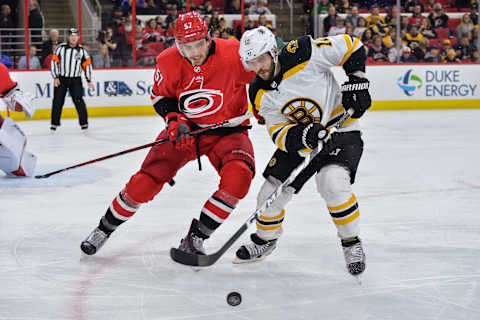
418 187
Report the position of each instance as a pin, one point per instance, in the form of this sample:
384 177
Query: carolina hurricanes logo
201 102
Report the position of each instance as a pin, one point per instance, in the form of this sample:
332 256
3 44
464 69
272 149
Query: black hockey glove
355 95
312 134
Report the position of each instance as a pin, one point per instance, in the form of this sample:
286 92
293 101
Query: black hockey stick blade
198 260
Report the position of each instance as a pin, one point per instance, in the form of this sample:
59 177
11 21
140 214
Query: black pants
74 85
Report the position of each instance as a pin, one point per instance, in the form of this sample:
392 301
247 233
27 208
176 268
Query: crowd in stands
427 32
156 34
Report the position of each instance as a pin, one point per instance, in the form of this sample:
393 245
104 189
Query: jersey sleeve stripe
280 141
294 70
275 127
258 98
350 48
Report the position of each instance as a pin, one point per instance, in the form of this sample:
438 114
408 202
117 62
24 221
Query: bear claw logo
409 83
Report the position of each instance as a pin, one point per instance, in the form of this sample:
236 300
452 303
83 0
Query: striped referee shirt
69 62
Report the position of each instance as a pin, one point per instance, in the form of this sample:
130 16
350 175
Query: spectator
259 8
378 27
438 19
35 21
465 27
224 35
426 29
392 15
149 7
451 57
411 4
233 7
152 29
447 45
206 7
416 17
374 15
323 6
146 55
353 17
429 4
433 55
343 6
349 30
377 51
412 36
6 22
338 28
262 20
360 28
389 39
102 59
48 59
47 45
6 61
404 25
420 49
367 38
215 33
172 15
475 56
330 20
463 49
33 60
407 56
215 21
248 26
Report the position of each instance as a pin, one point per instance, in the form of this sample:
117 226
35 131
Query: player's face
263 66
196 51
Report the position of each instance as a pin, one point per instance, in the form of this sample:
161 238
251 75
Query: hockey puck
234 298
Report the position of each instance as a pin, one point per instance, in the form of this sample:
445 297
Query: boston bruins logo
303 110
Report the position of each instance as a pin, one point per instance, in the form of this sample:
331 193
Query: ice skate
94 241
255 251
192 243
354 256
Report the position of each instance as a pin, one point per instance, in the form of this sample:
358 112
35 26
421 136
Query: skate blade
237 260
358 279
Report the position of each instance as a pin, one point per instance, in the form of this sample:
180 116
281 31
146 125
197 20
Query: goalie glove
17 100
355 95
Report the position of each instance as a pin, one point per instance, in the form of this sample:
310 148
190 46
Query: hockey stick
231 122
192 259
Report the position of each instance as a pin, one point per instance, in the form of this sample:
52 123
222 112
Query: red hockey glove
178 130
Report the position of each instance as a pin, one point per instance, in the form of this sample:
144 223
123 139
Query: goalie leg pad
12 145
333 183
27 165
269 224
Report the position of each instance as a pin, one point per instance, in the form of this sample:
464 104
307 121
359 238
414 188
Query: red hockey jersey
206 94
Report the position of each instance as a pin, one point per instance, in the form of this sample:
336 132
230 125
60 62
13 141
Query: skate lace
257 250
354 253
97 237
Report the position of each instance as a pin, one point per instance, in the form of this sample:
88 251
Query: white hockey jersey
305 90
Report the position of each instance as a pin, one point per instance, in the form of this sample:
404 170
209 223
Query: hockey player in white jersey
297 97
14 159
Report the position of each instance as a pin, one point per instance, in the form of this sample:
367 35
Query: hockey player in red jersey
198 82
14 159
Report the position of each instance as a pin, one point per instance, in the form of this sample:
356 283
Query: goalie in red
198 82
14 159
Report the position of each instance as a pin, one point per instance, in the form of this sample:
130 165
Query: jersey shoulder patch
295 52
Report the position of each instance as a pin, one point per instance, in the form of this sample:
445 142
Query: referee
68 61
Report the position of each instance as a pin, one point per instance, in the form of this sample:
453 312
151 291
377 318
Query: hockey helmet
190 27
256 42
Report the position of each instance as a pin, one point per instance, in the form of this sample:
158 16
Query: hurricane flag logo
409 83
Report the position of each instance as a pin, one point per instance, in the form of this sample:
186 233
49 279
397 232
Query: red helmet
190 27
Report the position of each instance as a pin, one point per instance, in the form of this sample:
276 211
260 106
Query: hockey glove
355 95
178 130
313 133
